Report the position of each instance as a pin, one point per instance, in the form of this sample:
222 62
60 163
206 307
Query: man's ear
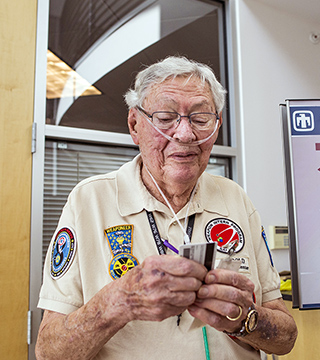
220 119
132 124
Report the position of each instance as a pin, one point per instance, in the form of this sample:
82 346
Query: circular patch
121 264
63 251
225 233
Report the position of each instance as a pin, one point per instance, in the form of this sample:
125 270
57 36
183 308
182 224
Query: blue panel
310 306
305 120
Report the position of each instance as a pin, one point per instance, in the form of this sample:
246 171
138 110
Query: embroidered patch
226 233
264 236
120 243
63 251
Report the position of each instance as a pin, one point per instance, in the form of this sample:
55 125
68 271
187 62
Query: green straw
205 340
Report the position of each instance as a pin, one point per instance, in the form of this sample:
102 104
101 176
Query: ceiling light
62 81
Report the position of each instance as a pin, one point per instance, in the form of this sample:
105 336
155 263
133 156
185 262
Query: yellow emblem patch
120 239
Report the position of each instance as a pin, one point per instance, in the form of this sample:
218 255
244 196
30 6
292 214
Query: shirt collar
209 196
132 196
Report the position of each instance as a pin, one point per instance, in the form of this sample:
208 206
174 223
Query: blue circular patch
63 251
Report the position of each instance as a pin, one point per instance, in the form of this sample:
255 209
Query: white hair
172 67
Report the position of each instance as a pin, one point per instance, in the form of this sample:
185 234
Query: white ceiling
309 9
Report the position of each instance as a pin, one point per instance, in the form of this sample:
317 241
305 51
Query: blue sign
305 120
304 199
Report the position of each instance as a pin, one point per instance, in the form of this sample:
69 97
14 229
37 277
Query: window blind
65 165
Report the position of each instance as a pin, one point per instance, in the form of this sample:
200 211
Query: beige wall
17 58
307 346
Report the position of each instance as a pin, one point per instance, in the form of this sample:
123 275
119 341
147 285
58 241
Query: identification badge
230 263
204 253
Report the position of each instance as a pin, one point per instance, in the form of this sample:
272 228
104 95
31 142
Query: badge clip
229 263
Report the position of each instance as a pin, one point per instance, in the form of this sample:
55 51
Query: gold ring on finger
236 318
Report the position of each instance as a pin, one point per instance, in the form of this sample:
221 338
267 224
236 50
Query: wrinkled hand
221 295
162 286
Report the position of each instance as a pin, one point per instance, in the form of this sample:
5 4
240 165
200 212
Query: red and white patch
225 233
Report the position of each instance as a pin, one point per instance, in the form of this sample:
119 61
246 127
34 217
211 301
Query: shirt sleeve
267 273
61 290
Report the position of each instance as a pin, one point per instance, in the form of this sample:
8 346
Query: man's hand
162 286
222 295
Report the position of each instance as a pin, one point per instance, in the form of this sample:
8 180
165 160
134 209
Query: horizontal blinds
66 165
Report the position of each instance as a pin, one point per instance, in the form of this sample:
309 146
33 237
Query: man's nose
183 132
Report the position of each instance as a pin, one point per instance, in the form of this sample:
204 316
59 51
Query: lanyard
162 251
156 234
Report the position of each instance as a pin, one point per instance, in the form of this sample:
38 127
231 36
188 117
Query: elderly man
108 294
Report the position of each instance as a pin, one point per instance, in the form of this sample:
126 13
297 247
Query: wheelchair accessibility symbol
303 120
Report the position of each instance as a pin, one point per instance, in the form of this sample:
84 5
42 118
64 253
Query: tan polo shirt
104 231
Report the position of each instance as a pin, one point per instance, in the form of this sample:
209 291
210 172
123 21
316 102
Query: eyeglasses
166 120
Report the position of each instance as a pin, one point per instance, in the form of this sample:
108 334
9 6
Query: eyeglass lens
200 121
